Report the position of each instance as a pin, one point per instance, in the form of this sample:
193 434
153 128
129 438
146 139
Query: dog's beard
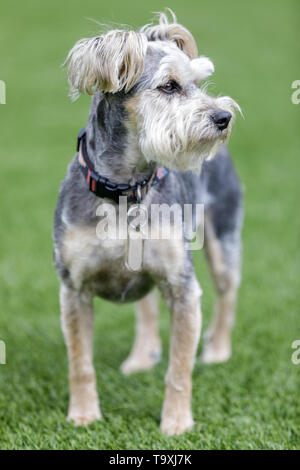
185 160
178 132
180 142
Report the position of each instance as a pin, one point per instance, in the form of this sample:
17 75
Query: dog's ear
202 68
112 62
172 31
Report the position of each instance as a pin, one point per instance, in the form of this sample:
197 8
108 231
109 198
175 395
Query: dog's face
177 123
172 120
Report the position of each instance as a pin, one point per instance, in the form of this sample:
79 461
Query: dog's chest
99 266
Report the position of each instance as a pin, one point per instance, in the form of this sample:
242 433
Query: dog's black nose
221 119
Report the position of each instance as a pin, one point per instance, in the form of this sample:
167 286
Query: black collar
103 187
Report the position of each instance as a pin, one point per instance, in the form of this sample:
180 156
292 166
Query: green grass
252 402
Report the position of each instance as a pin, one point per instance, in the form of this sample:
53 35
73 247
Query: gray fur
217 188
135 125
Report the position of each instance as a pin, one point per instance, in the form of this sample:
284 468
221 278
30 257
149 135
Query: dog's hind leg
146 350
77 326
223 254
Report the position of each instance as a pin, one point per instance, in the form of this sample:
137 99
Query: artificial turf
251 402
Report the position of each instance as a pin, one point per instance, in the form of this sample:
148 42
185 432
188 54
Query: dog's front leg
77 325
185 333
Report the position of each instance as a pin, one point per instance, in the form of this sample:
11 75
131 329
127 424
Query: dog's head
156 72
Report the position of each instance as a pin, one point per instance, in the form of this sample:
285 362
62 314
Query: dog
153 137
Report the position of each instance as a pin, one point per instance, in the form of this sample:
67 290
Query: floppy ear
202 68
112 62
166 31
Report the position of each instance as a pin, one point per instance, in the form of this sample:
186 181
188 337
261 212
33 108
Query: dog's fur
133 126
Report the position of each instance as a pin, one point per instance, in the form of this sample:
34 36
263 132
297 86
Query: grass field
253 401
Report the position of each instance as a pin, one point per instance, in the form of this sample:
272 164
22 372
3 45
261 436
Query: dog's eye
170 87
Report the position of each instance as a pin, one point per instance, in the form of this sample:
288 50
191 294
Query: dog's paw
215 354
177 423
139 362
83 418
